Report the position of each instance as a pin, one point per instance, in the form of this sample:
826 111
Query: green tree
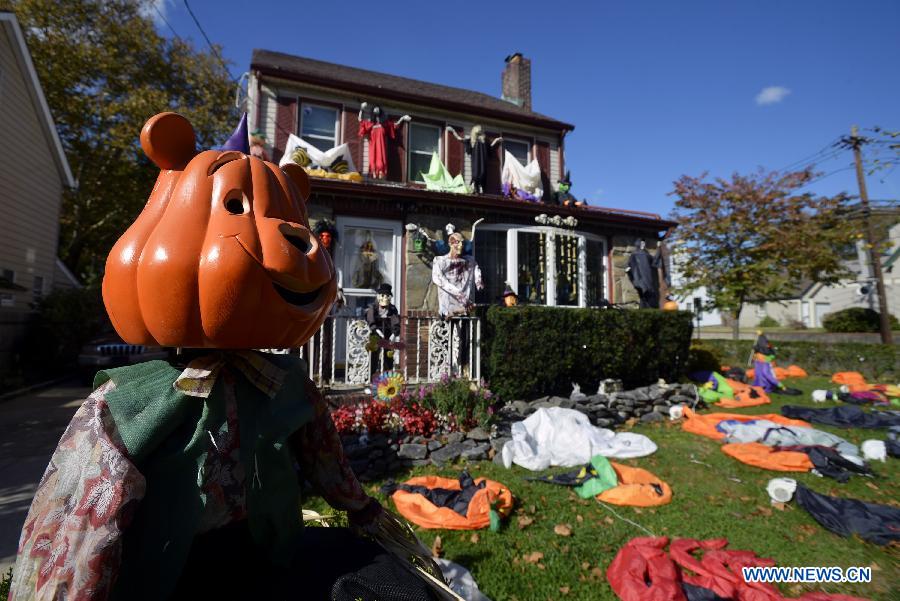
105 70
756 237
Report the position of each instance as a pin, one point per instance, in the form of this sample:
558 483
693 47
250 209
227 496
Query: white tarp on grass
565 437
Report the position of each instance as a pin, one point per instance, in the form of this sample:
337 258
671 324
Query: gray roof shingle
396 87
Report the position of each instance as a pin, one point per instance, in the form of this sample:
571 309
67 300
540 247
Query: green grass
706 504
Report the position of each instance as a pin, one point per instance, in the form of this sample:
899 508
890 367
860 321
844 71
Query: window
9 275
544 265
490 248
37 287
518 149
424 140
319 126
7 299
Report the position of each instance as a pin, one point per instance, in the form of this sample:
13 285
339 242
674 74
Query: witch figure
181 479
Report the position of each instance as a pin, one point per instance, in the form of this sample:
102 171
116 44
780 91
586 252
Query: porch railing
340 355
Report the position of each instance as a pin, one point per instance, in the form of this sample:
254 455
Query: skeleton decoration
476 145
377 129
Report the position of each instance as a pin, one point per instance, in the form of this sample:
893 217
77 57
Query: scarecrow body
170 466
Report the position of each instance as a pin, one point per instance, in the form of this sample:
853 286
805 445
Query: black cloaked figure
384 326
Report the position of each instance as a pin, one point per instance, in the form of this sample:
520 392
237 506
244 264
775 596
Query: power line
814 155
166 21
209 43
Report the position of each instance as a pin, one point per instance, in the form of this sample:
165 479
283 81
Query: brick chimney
516 80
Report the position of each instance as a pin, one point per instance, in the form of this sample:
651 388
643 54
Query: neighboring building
517 243
33 174
813 301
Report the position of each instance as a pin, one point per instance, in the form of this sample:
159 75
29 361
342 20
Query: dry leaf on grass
564 590
597 572
638 510
562 530
533 557
437 547
745 499
579 518
474 538
524 522
585 565
760 510
779 506
609 520
872 486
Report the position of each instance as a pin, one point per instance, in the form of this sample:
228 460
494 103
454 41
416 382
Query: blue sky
655 89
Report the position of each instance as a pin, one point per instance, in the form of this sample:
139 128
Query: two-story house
33 174
550 254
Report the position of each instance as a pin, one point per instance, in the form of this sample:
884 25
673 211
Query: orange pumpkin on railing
222 255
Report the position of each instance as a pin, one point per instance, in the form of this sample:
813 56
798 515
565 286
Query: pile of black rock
374 456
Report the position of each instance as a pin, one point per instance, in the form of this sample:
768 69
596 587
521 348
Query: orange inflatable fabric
742 396
636 488
705 425
419 510
854 380
781 373
766 457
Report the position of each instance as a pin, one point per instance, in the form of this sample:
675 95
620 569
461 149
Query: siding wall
30 185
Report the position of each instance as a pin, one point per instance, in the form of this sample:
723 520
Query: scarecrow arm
318 450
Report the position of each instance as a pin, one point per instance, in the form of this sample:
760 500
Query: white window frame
410 177
38 293
512 258
396 227
527 144
337 122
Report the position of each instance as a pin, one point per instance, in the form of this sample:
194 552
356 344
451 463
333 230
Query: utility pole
855 142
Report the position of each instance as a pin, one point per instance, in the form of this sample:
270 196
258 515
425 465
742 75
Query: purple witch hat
240 139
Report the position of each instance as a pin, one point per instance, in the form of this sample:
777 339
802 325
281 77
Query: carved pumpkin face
221 256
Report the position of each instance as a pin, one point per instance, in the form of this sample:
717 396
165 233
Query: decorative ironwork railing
341 354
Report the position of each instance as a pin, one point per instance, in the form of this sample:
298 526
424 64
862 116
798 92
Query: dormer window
424 140
519 149
319 125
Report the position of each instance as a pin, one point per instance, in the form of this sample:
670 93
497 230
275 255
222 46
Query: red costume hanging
377 143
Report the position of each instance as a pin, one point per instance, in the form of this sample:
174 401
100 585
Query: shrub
466 403
877 362
856 319
701 358
768 322
531 351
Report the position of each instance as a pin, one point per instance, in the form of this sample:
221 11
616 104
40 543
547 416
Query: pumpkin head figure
222 255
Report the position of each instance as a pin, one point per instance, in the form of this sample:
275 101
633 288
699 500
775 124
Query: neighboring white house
34 173
696 300
813 301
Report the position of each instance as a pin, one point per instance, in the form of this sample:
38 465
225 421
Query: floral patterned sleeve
70 546
318 450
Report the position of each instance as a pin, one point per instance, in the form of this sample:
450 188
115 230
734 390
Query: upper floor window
424 140
9 275
517 148
319 125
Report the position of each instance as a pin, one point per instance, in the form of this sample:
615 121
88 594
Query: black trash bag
879 524
845 416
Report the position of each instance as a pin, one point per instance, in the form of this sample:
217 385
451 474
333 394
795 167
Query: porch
341 357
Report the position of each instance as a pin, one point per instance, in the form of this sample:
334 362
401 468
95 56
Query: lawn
707 503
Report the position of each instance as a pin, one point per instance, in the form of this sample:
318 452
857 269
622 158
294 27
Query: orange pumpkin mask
221 256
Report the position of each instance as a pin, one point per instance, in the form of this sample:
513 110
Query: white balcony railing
429 348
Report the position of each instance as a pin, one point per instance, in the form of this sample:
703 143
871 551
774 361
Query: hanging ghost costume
181 478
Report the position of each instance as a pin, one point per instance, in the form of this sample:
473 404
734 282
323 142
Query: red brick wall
350 127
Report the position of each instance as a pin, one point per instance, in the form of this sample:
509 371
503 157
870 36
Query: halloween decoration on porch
384 327
563 196
455 274
438 178
442 247
377 128
522 182
327 233
642 274
258 146
177 478
367 273
510 298
476 145
334 163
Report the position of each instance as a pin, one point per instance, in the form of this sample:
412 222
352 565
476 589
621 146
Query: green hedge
533 351
856 319
877 362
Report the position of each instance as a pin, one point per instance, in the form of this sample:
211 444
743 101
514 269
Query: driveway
30 427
